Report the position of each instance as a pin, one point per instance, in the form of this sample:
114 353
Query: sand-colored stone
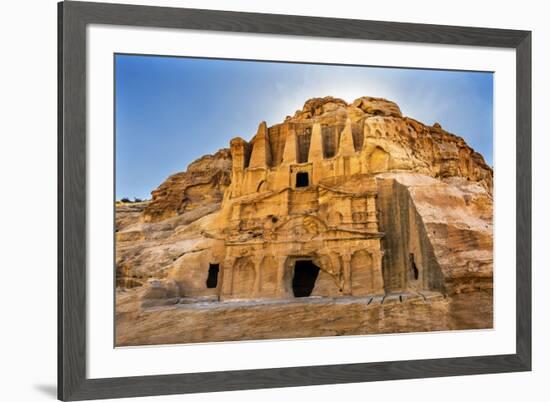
204 182
384 207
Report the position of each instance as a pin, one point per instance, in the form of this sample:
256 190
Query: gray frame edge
73 17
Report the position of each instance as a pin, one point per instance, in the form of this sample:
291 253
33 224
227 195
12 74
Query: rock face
442 223
339 202
204 182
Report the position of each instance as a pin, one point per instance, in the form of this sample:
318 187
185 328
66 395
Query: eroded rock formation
204 182
340 200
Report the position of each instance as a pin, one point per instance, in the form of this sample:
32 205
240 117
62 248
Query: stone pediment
304 227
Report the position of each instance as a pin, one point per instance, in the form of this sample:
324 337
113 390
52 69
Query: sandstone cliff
151 236
434 208
399 143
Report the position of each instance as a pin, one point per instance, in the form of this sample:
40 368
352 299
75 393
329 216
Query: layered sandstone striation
340 204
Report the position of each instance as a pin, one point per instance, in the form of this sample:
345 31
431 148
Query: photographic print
271 200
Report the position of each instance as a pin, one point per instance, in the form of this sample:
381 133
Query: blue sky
172 110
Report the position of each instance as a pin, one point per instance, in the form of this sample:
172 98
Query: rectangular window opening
302 179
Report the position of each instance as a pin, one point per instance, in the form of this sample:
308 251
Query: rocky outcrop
128 213
204 182
398 143
377 205
151 250
443 224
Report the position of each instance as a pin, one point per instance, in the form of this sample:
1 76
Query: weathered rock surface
211 322
146 250
128 214
260 320
447 223
414 201
402 143
204 182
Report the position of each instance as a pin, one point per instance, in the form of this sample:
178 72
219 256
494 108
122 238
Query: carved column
346 262
372 221
257 276
345 208
281 265
336 268
227 278
377 277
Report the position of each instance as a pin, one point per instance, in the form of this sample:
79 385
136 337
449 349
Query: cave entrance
212 280
305 275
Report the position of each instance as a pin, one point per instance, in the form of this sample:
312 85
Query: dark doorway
302 179
305 275
212 280
413 266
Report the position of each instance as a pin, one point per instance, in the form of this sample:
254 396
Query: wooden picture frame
73 18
